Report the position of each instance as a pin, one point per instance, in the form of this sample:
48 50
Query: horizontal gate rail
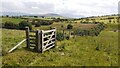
46 36
32 35
49 31
50 43
48 40
34 31
48 48
32 39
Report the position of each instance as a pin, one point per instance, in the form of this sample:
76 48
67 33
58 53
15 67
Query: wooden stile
41 44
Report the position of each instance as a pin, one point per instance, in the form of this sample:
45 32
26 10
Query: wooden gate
40 40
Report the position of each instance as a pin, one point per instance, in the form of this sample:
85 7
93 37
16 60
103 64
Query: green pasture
99 50
11 20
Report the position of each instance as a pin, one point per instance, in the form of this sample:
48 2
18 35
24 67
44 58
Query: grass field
58 26
11 20
104 19
100 50
39 18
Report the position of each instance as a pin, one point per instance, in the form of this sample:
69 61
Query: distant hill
13 13
20 14
28 14
51 15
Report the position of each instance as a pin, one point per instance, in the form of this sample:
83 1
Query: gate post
41 41
27 38
38 41
55 36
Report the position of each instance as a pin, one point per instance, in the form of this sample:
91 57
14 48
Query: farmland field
99 50
11 20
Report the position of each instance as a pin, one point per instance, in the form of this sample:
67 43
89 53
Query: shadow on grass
30 49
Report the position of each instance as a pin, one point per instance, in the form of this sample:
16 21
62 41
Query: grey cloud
119 7
39 4
70 13
86 8
13 7
8 5
42 7
27 7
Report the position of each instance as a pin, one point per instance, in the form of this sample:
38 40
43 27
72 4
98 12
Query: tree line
23 24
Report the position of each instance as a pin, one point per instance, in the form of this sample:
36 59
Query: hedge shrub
60 36
23 24
69 26
10 25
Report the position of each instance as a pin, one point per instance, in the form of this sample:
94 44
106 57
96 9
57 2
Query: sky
69 8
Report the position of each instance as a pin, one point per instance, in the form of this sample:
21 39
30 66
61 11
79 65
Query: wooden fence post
55 36
42 39
27 37
38 44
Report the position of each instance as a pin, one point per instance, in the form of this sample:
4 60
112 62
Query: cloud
39 7
13 7
89 7
74 8
27 7
119 7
